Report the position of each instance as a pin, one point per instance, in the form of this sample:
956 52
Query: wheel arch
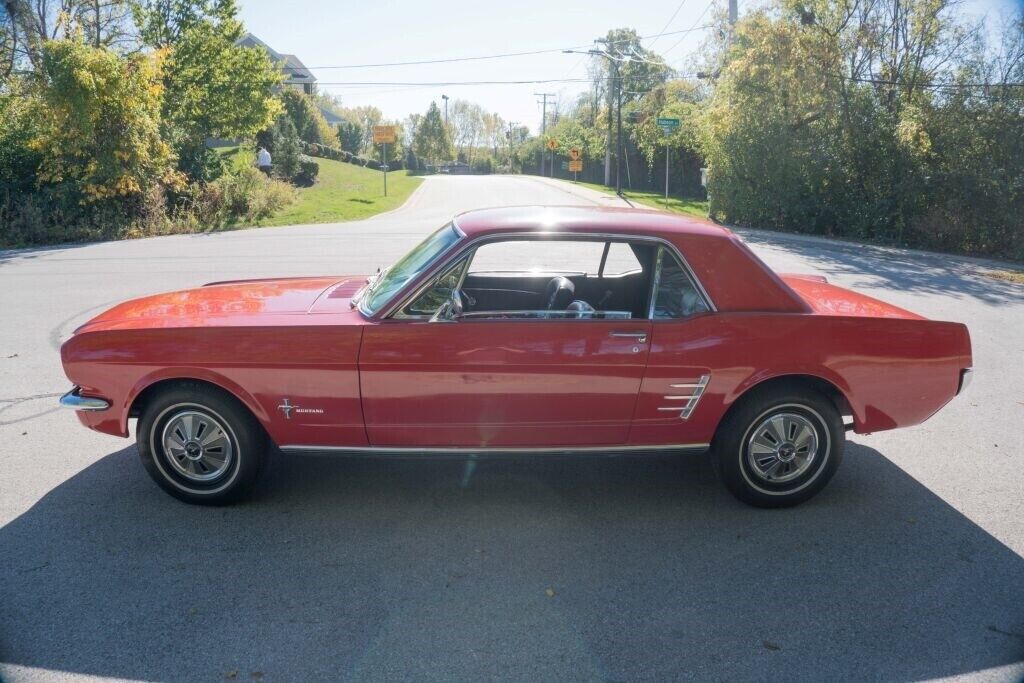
817 383
153 384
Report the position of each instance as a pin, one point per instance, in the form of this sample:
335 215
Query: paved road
908 566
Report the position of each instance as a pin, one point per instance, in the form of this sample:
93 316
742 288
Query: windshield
381 290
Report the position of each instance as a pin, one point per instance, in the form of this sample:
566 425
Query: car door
680 400
502 379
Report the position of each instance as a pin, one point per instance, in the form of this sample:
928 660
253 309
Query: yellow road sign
384 134
576 166
552 144
574 153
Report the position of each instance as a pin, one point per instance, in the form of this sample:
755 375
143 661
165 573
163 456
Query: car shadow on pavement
901 269
561 568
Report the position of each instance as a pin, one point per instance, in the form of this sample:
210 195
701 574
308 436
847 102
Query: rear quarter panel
893 372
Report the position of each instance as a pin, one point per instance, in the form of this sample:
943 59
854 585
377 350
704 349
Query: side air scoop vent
685 396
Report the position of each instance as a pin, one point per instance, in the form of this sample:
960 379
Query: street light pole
445 98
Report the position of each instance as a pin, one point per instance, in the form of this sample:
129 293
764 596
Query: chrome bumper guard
74 400
965 379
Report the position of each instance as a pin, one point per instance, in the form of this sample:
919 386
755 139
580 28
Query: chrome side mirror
450 310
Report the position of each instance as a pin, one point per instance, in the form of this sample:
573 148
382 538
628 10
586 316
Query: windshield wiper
371 284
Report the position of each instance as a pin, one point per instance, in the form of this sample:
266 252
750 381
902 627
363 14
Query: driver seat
558 294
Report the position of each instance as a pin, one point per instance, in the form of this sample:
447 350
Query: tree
431 140
466 119
350 136
306 116
215 88
101 123
282 141
26 25
163 23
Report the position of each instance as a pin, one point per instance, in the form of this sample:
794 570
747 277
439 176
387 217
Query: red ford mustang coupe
525 330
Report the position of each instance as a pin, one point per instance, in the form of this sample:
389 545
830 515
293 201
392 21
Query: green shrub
247 196
19 125
308 171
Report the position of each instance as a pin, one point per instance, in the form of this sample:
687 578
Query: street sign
574 153
576 166
384 135
552 144
668 125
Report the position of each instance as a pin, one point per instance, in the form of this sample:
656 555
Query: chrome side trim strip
553 450
74 400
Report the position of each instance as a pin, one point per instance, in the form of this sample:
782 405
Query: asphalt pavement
908 566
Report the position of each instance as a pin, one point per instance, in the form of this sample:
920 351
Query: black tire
242 450
738 452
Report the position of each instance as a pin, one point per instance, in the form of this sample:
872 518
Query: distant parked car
529 330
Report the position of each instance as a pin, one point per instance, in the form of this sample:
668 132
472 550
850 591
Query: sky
329 33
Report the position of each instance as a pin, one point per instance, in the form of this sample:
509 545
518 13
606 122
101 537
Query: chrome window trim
473 244
488 450
545 314
378 315
431 281
656 282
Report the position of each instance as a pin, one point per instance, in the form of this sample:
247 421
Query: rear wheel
201 445
779 446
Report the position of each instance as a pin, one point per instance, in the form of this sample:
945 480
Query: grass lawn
656 200
343 192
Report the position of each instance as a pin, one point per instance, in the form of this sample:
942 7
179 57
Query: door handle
639 336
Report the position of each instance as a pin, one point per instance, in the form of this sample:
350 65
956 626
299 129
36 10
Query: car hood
238 302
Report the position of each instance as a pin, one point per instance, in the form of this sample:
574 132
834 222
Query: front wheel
201 445
779 447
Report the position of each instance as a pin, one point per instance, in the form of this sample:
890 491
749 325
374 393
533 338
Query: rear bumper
74 400
965 379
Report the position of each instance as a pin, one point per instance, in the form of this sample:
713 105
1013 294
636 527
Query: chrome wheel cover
782 447
197 445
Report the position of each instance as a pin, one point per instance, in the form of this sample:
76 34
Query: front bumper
74 400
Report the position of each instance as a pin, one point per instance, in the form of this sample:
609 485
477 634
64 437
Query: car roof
584 219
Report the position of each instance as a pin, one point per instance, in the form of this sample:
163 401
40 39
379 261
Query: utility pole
508 136
733 11
544 125
445 98
618 145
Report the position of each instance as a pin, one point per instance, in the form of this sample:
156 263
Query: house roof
295 71
329 116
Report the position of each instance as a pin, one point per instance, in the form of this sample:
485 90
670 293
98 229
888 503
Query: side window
427 303
555 257
677 297
621 260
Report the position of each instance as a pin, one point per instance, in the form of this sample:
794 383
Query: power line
691 29
667 24
453 83
482 57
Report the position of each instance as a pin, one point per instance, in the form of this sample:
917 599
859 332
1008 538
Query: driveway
910 565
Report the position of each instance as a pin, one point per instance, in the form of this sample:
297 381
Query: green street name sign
668 125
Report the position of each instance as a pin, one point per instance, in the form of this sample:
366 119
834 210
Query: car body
443 354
